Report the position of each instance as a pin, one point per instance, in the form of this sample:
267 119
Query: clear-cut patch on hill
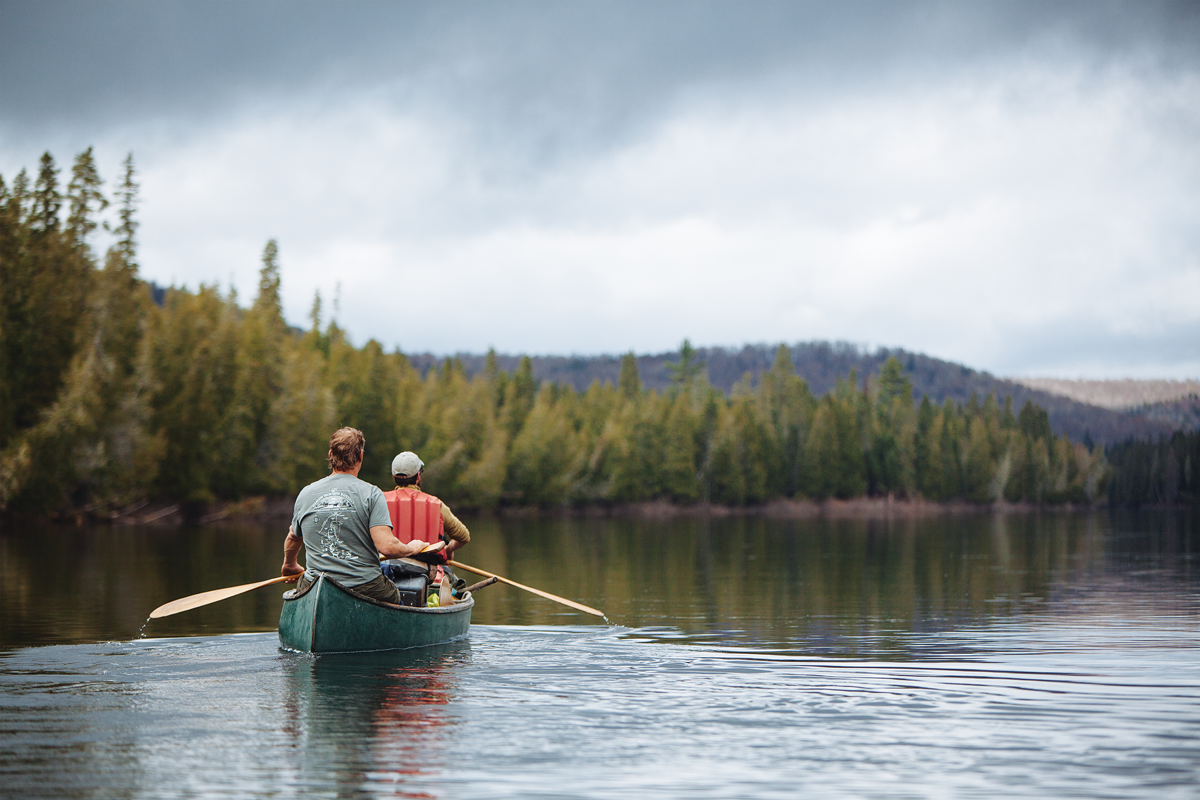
1115 394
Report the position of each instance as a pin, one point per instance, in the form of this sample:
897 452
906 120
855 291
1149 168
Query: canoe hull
329 618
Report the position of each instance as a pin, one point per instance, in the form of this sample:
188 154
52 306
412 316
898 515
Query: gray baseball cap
407 464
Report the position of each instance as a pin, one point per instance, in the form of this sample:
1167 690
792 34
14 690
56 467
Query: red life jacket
416 516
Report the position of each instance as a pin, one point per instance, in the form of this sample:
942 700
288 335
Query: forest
109 395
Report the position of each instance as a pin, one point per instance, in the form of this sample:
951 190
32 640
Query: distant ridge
822 363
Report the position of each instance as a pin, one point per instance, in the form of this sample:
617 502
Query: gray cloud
1009 184
553 76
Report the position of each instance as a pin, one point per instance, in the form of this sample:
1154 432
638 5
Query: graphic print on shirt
338 507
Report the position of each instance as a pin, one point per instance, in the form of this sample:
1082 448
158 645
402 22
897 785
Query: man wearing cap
417 516
344 526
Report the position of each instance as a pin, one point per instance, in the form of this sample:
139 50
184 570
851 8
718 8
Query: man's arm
457 534
291 549
391 547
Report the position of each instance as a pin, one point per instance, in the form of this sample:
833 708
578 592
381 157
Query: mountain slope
821 364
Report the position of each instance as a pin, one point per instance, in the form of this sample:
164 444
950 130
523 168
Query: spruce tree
250 454
47 200
823 453
688 368
519 400
789 406
85 200
679 478
629 383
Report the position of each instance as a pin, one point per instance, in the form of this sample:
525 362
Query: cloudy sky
1015 186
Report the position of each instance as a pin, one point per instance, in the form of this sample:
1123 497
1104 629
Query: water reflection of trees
364 721
813 582
63 583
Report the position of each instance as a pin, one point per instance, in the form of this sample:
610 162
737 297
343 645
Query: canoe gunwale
467 599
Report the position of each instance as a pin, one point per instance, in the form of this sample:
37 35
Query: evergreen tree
518 401
892 431
250 455
849 467
629 383
85 201
485 445
688 368
928 451
679 478
950 445
47 199
978 464
496 378
823 453
790 407
193 344
545 457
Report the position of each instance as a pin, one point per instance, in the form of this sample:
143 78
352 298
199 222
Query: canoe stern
329 618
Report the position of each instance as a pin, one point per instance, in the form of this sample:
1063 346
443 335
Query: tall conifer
629 383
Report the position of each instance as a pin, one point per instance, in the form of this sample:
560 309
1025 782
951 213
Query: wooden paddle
204 598
217 595
539 592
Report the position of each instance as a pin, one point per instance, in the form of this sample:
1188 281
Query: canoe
330 618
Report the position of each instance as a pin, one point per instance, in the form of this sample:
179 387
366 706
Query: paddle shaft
538 592
483 584
213 596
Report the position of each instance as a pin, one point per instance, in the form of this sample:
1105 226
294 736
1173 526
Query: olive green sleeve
454 529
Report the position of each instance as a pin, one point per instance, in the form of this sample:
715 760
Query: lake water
1042 655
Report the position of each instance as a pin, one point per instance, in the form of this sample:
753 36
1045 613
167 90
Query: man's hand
425 547
293 569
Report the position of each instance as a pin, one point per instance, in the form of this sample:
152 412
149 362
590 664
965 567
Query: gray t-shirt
334 517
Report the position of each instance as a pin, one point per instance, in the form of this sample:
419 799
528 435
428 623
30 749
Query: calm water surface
1045 656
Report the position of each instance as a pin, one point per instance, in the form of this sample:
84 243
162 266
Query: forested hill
821 364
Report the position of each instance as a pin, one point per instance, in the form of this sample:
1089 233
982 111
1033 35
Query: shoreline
280 509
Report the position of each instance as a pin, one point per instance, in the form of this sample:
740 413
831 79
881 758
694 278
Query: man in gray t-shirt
344 526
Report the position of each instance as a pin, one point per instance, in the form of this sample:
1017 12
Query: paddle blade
204 598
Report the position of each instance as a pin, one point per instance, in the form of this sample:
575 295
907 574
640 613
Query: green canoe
329 618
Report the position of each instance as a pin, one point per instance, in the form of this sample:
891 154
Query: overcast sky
1015 186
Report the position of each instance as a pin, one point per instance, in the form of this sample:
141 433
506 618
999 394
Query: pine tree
629 383
927 451
950 445
679 479
250 453
790 407
193 355
545 458
47 200
978 466
688 368
757 450
485 444
520 397
822 452
85 201
727 480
